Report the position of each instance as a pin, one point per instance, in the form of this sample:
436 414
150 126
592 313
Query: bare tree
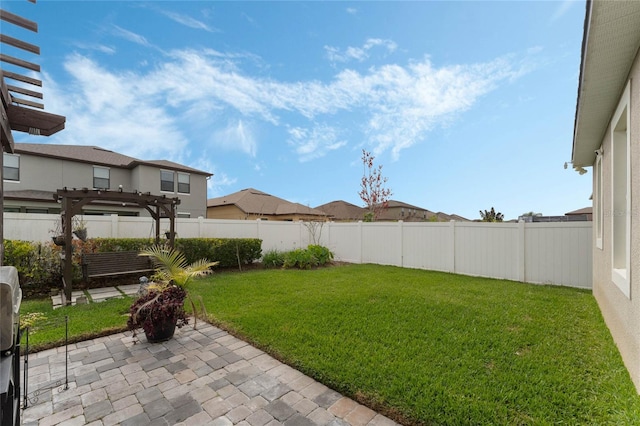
372 188
315 230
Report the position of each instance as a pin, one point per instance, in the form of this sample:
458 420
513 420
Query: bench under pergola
73 200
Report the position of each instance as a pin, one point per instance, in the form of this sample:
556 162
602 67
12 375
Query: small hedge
230 252
40 269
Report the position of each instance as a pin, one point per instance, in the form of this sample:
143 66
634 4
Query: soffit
610 45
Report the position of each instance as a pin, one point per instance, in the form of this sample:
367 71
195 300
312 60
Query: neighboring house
251 204
607 138
579 215
585 213
397 210
341 211
34 172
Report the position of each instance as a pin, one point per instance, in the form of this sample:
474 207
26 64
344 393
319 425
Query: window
11 167
183 183
183 215
597 200
166 181
100 177
621 197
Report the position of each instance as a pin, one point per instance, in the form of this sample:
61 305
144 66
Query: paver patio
200 377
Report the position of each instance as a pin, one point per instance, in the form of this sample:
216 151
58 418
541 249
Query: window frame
108 178
620 188
4 166
598 201
173 181
188 189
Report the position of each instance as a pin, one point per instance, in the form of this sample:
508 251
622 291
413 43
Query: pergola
73 200
21 108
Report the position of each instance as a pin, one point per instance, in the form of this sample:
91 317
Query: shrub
273 259
322 254
230 252
298 258
38 265
308 258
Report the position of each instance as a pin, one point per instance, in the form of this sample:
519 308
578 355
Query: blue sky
465 104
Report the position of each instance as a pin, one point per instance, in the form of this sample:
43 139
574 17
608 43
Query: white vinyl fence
545 253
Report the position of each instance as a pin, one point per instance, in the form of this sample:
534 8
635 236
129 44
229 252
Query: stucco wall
622 314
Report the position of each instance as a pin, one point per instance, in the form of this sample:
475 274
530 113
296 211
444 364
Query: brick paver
204 376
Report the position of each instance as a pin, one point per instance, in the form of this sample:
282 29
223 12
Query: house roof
395 203
252 201
341 210
585 210
30 194
610 43
98 156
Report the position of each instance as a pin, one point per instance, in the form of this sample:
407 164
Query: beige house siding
621 313
226 212
49 173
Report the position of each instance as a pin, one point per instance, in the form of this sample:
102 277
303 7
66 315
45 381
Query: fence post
452 236
400 227
258 228
360 242
200 223
115 231
521 252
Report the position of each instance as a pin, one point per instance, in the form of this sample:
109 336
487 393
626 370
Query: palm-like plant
171 266
166 295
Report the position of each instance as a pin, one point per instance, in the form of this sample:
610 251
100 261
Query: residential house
341 211
585 214
607 138
398 210
34 172
579 215
251 204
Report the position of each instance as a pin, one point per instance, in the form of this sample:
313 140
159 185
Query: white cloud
218 184
109 50
315 142
189 93
359 54
188 21
237 135
562 9
351 10
129 35
105 109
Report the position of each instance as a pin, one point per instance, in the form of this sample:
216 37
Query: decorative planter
81 233
162 331
58 240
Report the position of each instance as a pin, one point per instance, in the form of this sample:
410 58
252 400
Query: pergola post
66 218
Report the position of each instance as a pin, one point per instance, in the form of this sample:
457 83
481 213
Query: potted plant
58 235
80 228
161 308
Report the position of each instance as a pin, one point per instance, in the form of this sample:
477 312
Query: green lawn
85 321
435 348
420 346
